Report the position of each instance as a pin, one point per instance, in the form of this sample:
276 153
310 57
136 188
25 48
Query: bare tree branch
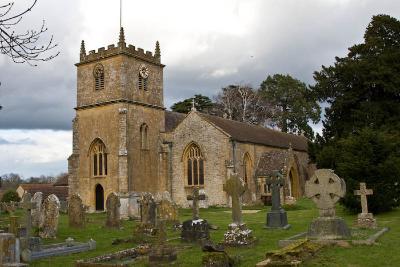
23 47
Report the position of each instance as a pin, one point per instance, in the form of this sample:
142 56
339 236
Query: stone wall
215 148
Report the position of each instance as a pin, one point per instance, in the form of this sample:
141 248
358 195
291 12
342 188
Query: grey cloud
294 37
24 141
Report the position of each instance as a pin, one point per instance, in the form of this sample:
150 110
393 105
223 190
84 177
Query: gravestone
76 211
195 229
161 253
203 203
238 234
148 211
277 217
51 210
325 188
113 215
7 248
37 210
167 209
28 205
365 219
134 206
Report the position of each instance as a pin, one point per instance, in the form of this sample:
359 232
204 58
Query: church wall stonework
215 148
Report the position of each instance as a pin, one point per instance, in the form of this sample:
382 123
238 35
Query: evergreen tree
202 103
293 105
361 137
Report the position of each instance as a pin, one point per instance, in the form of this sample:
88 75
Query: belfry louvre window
194 166
99 159
98 73
142 83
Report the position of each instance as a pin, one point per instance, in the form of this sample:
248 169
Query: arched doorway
293 185
99 197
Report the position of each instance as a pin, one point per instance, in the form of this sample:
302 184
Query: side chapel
124 140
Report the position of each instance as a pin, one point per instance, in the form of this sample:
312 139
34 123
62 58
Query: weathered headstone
51 210
113 215
76 211
133 205
325 188
148 210
195 229
7 248
167 209
37 210
238 234
365 219
161 253
28 205
277 217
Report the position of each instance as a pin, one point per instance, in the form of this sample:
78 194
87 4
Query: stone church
124 140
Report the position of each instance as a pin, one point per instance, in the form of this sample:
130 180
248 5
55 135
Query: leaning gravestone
195 229
37 210
51 210
325 188
238 234
365 219
76 211
113 215
277 217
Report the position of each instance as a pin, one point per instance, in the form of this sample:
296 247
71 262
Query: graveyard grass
299 216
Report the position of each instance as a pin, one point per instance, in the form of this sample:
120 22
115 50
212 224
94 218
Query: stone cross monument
238 234
195 206
325 188
277 217
365 219
235 188
28 205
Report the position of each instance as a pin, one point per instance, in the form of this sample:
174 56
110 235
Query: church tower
119 117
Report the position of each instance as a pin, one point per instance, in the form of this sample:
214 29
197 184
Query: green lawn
382 254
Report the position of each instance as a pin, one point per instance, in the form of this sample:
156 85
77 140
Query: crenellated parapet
121 48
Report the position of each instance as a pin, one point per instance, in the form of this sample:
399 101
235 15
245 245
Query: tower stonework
119 117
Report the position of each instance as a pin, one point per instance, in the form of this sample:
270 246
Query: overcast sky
206 44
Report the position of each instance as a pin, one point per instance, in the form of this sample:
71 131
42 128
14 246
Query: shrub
9 196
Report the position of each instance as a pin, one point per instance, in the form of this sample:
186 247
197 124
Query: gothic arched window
143 136
98 158
98 73
247 168
194 163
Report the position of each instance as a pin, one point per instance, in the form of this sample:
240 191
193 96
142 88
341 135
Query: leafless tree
23 47
242 103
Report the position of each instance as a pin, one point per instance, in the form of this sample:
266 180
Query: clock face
143 71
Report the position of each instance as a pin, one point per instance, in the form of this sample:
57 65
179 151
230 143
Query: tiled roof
172 119
244 132
47 189
270 161
248 133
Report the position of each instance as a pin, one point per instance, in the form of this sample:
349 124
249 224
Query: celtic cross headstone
277 217
235 189
325 189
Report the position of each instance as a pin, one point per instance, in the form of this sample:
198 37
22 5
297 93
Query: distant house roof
244 132
62 181
47 189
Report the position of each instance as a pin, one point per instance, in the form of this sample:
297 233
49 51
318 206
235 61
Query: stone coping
369 241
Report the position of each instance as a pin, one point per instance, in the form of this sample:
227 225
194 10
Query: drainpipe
169 181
